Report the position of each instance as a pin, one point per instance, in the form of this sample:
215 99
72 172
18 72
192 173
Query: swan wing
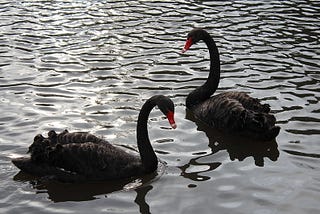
229 114
221 112
66 137
247 102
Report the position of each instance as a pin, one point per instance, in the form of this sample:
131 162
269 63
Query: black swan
80 156
231 112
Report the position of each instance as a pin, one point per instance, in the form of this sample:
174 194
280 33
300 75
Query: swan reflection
86 191
141 198
237 147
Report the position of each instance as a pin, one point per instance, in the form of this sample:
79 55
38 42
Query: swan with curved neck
81 156
233 112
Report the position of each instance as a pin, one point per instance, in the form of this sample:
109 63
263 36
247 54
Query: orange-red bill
187 45
170 117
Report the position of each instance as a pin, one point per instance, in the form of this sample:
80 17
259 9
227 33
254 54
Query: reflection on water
237 147
84 191
195 173
61 192
141 198
89 66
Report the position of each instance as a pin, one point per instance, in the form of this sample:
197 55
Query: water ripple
89 66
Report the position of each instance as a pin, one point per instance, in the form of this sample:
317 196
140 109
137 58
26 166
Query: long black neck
203 92
147 154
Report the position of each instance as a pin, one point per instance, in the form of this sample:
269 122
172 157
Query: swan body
82 156
232 112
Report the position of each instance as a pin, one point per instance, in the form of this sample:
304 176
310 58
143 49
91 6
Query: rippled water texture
90 65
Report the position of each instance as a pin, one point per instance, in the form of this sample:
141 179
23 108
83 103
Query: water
90 65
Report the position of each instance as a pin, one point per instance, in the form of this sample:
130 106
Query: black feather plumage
232 112
82 156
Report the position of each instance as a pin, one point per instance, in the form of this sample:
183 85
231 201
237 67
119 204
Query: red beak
170 117
187 45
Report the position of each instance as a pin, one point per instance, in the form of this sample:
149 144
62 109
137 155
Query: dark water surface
90 65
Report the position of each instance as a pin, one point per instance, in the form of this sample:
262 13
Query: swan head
166 106
193 37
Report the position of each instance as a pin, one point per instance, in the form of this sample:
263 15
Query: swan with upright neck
232 112
81 156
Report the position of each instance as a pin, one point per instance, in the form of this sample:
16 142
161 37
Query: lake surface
90 65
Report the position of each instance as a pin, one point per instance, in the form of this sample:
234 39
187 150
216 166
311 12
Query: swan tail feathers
46 171
259 125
